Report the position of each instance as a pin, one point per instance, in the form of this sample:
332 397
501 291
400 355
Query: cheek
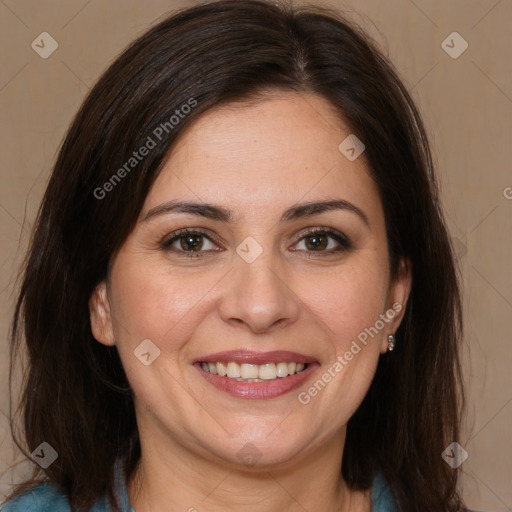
150 302
349 303
348 300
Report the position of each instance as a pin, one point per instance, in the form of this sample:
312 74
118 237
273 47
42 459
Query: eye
192 243
319 240
188 241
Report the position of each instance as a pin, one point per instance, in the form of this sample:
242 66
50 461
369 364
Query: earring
391 342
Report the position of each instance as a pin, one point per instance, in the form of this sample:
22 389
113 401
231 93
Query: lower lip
258 390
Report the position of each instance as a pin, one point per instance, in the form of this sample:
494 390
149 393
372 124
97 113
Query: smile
256 375
246 372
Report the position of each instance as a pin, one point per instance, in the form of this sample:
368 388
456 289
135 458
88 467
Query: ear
398 295
101 319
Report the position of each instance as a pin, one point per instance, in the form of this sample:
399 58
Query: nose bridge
258 295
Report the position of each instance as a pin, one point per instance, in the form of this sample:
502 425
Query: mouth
254 375
246 372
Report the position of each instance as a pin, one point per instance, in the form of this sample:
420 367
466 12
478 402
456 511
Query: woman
240 293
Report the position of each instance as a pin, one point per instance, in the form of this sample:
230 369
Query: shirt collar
120 488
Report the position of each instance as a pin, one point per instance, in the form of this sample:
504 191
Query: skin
256 159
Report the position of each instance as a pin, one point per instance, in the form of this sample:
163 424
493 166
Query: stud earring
391 343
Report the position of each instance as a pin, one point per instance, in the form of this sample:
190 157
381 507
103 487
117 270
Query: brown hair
76 395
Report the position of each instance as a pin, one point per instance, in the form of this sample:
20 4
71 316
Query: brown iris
320 241
193 241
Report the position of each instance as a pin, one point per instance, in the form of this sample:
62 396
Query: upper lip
251 357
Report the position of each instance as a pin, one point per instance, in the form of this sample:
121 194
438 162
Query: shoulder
382 498
45 497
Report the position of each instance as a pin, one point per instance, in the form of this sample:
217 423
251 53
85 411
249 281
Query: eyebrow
221 214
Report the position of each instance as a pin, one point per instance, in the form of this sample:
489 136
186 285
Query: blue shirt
45 497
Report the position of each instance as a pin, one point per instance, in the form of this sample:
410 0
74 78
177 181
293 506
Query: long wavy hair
75 393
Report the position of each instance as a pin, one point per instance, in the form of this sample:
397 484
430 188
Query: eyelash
343 241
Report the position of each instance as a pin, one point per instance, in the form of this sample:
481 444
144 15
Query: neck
170 476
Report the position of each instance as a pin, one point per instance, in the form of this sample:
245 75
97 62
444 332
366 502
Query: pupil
192 241
317 242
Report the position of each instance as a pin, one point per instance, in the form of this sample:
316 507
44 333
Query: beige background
467 107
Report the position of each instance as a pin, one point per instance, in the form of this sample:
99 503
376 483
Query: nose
258 297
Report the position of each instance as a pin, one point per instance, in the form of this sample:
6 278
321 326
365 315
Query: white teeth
282 369
246 372
268 371
221 369
233 370
249 371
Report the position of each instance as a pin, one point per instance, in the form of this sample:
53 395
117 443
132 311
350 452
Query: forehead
282 149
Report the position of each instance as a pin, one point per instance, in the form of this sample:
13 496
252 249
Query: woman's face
255 293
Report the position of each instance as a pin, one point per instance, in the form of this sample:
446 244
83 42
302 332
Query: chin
257 454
